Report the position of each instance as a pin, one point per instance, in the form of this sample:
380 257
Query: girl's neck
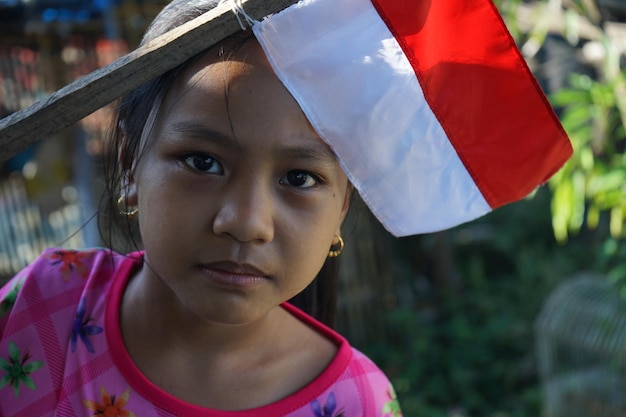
211 365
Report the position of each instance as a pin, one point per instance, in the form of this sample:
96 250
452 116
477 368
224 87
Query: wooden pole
87 94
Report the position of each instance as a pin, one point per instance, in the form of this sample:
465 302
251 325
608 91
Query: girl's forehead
222 67
233 83
229 59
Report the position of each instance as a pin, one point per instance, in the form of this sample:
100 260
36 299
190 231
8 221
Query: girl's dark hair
133 121
135 116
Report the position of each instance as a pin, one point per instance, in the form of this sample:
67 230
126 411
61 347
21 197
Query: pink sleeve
378 394
363 390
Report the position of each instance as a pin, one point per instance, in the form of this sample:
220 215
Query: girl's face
239 199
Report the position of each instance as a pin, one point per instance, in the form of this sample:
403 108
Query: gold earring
123 208
333 253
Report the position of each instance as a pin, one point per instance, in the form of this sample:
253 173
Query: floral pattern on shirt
9 299
81 329
392 407
18 369
110 405
328 409
70 261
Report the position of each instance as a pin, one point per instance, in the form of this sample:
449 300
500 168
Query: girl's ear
128 187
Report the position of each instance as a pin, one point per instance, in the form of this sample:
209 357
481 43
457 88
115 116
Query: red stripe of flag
482 92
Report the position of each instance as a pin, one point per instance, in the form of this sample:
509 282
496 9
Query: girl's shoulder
362 388
352 384
52 329
57 278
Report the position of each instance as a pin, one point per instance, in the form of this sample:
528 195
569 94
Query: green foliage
594 180
590 191
469 351
593 112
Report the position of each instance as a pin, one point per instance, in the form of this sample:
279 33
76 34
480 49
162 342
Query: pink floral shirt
62 354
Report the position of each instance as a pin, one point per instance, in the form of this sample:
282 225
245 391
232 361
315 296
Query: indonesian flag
428 104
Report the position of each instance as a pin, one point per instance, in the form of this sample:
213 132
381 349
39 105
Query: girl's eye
300 179
204 163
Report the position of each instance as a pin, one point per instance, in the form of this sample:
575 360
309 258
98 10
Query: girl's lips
232 274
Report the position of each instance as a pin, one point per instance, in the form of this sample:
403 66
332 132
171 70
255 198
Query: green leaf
567 97
33 366
577 215
5 380
14 353
4 365
609 199
616 223
28 381
581 81
562 208
608 182
593 216
577 118
602 95
586 159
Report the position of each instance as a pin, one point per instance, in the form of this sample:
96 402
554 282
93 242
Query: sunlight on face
239 197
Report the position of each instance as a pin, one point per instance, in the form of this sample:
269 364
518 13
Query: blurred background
521 313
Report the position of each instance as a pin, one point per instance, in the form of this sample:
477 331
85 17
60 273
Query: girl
224 166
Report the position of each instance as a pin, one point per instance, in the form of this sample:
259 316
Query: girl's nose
245 214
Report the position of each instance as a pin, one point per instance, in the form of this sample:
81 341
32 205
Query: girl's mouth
234 275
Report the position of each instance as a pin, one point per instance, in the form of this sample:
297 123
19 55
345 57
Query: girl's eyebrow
202 131
314 149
